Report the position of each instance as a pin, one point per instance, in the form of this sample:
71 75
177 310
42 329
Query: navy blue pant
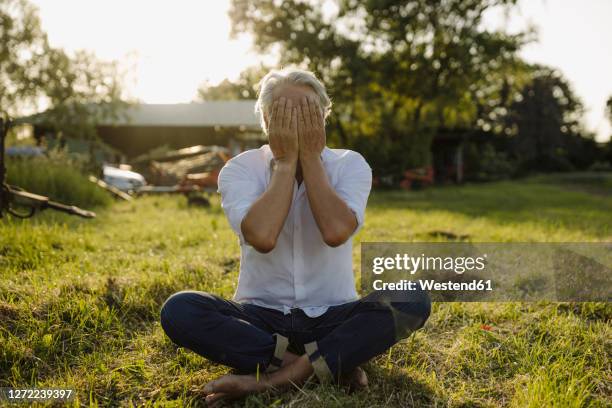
246 337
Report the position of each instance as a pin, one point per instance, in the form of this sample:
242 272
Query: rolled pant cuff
279 353
321 369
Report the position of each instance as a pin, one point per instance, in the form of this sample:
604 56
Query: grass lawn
80 300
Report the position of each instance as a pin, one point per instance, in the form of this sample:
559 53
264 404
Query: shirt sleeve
354 186
238 192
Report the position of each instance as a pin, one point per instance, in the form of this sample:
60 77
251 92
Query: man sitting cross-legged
295 205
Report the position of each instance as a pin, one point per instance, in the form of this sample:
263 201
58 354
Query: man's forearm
334 218
264 221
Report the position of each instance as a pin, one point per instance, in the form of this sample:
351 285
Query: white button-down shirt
302 271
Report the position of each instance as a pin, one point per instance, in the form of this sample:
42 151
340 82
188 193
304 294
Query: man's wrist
285 165
308 160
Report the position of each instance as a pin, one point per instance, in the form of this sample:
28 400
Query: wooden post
3 195
459 161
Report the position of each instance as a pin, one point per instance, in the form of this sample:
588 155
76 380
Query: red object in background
486 327
424 176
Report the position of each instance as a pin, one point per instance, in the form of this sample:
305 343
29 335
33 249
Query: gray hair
288 76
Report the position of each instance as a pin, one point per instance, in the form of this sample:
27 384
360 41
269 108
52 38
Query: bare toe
360 378
355 380
216 399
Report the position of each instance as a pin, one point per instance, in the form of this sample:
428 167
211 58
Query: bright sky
174 46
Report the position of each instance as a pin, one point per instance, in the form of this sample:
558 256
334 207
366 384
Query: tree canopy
76 90
245 87
400 72
397 70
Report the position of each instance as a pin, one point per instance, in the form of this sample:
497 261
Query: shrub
60 177
486 163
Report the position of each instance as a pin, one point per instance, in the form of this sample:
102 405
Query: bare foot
230 387
289 358
356 380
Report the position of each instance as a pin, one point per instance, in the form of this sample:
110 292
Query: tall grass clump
58 176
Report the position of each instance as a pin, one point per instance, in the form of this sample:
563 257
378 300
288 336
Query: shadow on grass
508 202
396 388
389 387
63 330
386 389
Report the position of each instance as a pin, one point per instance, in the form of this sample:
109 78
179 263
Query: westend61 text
430 284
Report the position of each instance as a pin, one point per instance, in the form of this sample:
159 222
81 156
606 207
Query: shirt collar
326 155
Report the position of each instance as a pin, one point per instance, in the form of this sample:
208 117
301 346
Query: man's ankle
263 383
289 358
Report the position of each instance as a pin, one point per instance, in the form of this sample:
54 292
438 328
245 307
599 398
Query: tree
397 70
545 124
607 147
76 91
245 87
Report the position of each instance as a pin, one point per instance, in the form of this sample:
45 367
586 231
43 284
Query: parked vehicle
124 180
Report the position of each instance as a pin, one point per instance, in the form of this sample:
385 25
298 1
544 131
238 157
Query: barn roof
201 114
205 114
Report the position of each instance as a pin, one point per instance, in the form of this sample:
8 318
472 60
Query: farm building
230 124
